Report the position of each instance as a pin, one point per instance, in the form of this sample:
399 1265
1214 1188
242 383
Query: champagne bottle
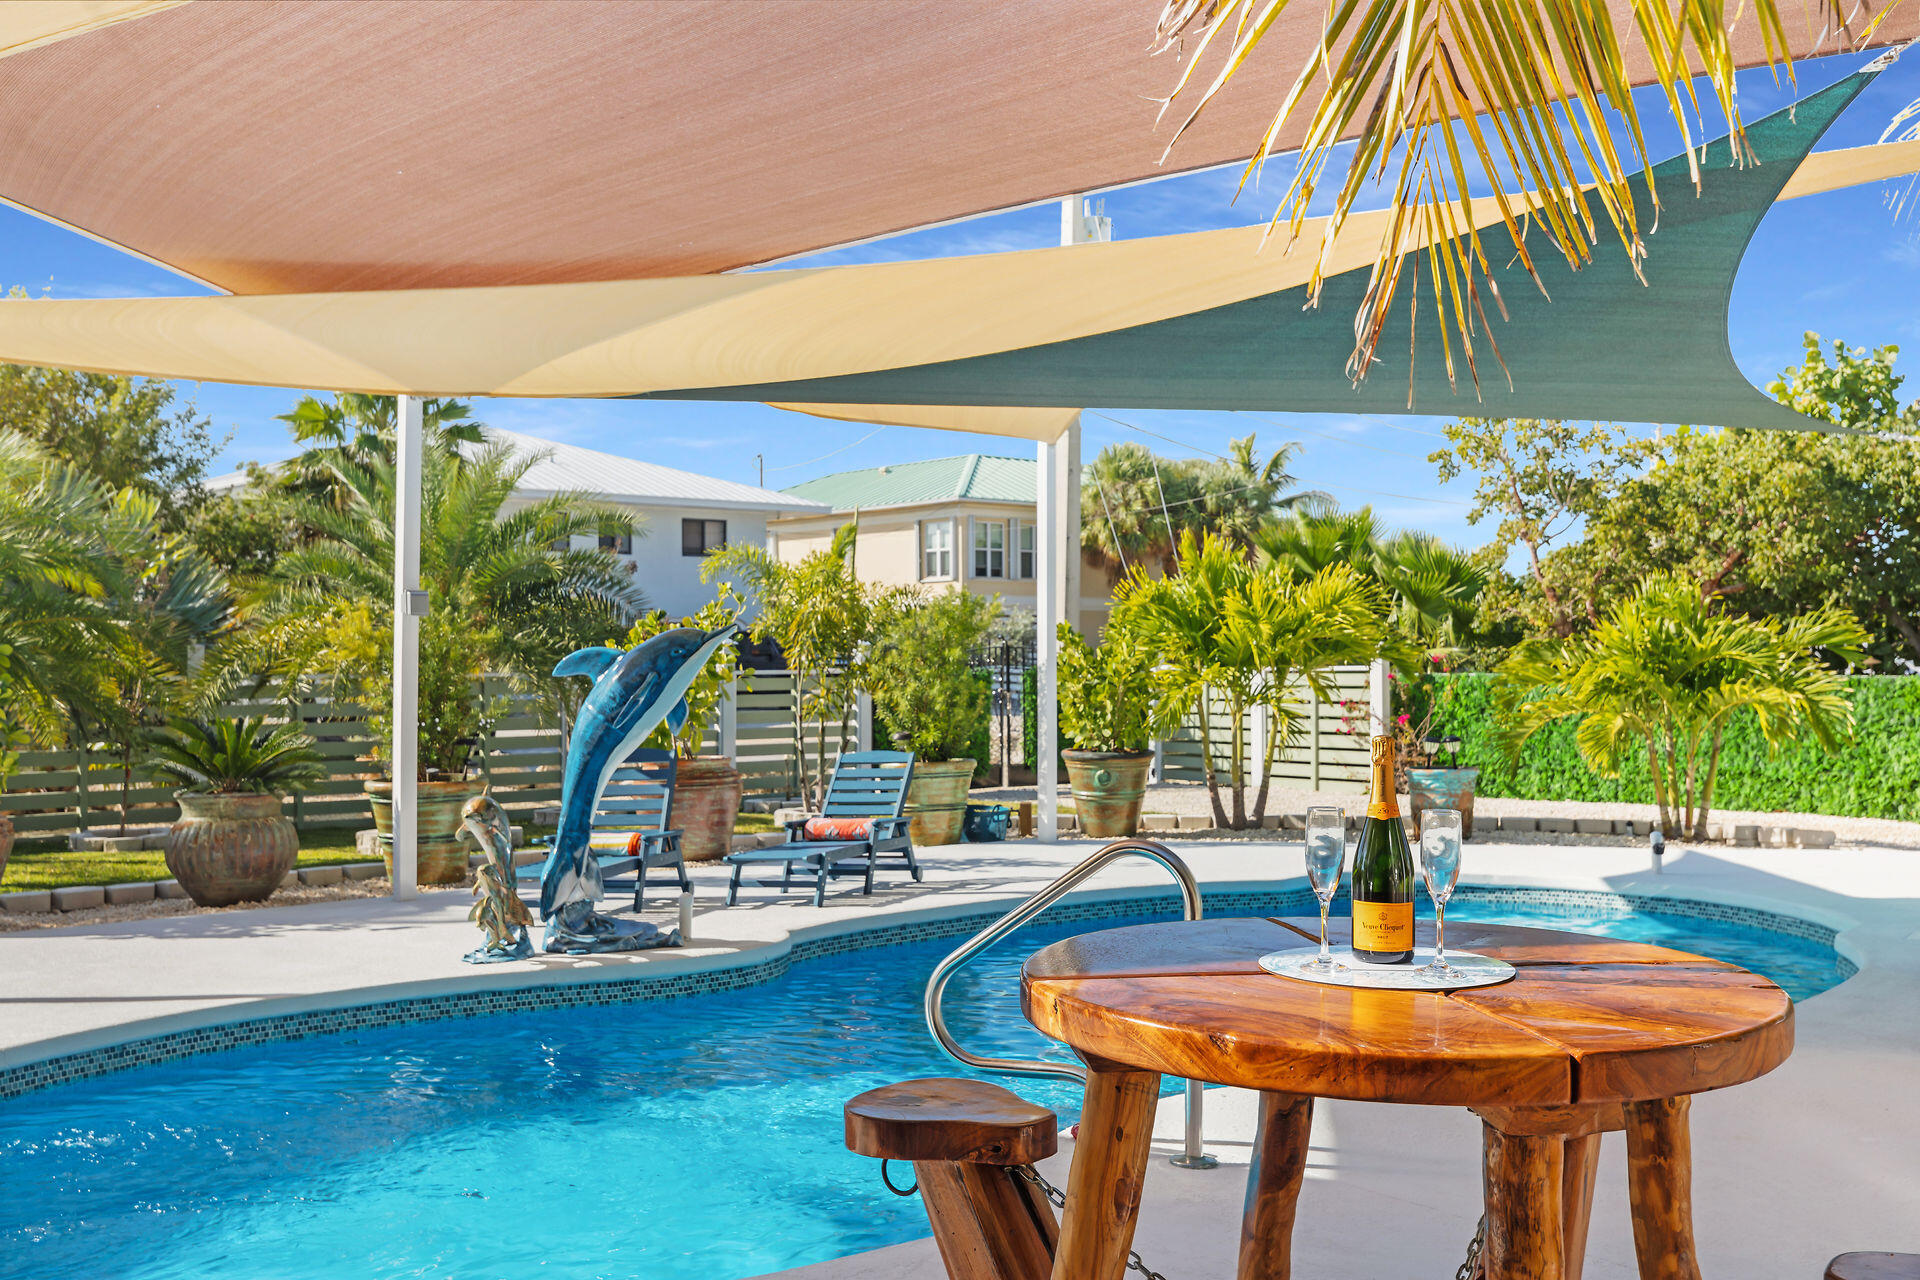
1382 888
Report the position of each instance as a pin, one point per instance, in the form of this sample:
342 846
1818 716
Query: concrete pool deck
1819 1157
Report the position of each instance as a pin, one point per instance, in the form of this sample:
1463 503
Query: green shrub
1876 775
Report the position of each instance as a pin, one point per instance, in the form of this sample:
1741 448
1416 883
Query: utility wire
842 449
1378 493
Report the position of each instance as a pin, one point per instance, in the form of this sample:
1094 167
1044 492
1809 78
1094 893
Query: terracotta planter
1442 789
230 848
441 858
1108 788
937 800
706 804
6 842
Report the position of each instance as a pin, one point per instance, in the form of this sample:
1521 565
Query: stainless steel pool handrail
1190 904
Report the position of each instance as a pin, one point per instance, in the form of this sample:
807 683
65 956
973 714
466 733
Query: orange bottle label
1383 926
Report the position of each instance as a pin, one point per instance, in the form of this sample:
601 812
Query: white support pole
1067 479
863 721
730 718
1046 643
1379 698
409 606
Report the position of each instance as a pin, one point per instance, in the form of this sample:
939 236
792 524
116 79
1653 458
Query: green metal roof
973 477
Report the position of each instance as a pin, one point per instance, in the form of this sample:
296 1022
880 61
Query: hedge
1875 775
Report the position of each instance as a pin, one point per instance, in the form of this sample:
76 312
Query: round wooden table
1591 1035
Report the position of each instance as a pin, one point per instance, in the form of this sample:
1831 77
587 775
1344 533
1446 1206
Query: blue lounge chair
630 832
869 792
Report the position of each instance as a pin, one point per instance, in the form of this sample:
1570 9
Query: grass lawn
51 868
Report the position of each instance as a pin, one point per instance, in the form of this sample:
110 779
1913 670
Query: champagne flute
1440 864
1326 846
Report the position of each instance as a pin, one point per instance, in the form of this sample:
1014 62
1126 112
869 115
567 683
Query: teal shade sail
1606 346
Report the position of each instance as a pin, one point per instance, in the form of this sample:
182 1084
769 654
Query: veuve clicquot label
1382 888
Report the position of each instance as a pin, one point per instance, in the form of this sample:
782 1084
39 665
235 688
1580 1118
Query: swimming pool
696 1138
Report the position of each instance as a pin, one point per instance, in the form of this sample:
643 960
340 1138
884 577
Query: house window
698 537
936 549
620 544
989 549
1023 549
560 544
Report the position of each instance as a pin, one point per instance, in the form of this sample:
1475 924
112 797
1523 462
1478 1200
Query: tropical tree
1665 671
1413 88
1134 506
921 674
126 433
1433 590
353 432
507 591
1542 478
61 564
825 622
1250 636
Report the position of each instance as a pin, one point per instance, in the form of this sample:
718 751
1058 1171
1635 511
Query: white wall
670 580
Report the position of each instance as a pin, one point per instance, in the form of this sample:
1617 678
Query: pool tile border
219 1037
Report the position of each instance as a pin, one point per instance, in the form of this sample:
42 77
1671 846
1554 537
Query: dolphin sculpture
633 693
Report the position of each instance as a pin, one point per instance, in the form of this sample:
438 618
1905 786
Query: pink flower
1403 718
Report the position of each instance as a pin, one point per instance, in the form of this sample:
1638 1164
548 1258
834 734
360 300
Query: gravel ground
11 922
1190 799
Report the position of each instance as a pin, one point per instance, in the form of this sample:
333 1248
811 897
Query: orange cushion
837 829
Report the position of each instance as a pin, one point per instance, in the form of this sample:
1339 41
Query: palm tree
1432 588
1134 506
1407 86
354 431
507 591
1666 670
1249 635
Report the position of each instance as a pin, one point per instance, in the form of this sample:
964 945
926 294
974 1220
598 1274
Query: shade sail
283 146
1205 320
1607 347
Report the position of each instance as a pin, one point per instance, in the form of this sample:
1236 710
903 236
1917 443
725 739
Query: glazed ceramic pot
937 800
230 848
706 804
1442 789
1108 789
440 857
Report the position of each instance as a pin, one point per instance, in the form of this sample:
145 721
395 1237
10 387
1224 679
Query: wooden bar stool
967 1139
1875 1266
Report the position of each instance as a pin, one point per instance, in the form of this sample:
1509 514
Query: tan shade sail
984 420
287 146
651 336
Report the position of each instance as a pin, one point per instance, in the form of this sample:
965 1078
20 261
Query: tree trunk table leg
1273 1186
1109 1163
1581 1159
1660 1187
1525 1225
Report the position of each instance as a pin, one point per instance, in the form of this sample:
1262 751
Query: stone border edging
767 962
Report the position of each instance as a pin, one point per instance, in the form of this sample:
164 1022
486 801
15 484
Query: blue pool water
695 1138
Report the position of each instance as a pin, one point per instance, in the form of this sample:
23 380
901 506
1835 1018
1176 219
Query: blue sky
1839 264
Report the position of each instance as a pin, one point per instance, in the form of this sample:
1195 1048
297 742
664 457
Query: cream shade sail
31 24
639 337
985 420
302 146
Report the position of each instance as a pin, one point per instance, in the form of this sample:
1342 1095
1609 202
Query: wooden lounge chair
630 832
859 829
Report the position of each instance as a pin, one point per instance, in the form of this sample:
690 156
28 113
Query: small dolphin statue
633 693
499 910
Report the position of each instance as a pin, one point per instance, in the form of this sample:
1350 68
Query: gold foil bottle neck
1384 800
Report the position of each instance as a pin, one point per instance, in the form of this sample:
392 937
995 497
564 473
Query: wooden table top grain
1586 1020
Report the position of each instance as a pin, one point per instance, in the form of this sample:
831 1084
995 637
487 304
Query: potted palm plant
933 704
231 843
453 717
1105 698
706 788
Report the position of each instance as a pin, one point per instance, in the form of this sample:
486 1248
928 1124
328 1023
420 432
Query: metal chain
1059 1200
1472 1268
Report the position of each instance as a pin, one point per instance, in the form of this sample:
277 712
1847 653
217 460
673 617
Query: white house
682 515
